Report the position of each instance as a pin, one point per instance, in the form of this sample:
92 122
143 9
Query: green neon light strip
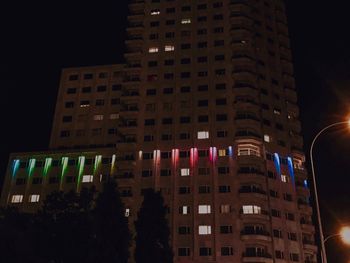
81 164
47 166
114 157
97 164
15 167
31 167
64 163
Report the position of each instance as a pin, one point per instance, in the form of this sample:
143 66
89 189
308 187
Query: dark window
205 251
71 90
69 104
203 118
221 117
73 77
184 251
185 89
224 189
150 122
165 172
185 119
67 118
86 89
101 88
202 103
88 76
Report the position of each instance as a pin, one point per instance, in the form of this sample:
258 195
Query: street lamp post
323 240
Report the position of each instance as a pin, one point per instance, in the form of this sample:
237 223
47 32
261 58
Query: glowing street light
345 235
323 240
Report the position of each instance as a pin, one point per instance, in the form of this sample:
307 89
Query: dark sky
38 39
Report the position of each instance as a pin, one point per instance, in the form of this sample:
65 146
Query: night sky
39 39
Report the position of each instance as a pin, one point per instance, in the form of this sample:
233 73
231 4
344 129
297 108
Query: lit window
185 172
127 212
186 21
155 12
222 152
153 50
277 111
34 198
98 117
298 163
204 230
251 209
168 48
248 149
88 178
267 138
114 116
17 199
184 210
204 209
225 209
203 135
84 104
284 178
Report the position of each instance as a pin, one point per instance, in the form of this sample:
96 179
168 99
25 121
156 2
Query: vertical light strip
230 151
114 157
175 156
31 167
15 167
156 157
291 170
140 155
277 162
47 166
81 164
97 164
64 163
213 154
193 157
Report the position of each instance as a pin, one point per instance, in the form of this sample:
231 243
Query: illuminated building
205 111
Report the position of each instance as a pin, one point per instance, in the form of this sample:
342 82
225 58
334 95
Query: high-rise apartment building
203 110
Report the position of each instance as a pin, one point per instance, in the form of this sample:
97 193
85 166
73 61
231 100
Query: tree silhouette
111 226
152 231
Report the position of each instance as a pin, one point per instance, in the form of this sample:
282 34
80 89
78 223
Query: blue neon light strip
277 161
291 170
15 167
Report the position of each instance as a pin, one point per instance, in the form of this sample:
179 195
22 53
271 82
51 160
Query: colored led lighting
97 164
81 164
306 184
156 156
291 169
175 156
31 167
15 167
193 156
114 157
277 163
212 154
47 166
230 151
140 155
64 163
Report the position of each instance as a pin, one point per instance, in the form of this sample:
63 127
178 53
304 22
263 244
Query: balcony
310 245
256 234
252 192
137 7
257 257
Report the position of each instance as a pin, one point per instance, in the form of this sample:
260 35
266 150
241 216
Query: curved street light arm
323 240
331 236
